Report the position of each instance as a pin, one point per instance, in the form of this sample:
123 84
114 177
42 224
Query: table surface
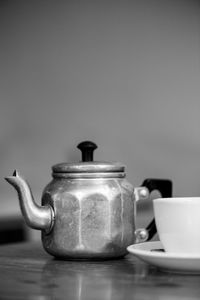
28 272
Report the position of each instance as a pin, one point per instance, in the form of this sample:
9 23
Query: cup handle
164 186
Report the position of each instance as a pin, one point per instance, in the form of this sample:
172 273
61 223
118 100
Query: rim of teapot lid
88 167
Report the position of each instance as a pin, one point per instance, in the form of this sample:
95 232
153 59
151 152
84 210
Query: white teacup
178 224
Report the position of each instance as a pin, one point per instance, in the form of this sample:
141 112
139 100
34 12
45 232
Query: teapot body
94 217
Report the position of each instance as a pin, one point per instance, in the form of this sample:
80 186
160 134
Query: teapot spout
37 217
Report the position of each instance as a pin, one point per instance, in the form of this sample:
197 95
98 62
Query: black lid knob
87 148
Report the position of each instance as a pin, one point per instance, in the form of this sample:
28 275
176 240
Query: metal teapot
88 209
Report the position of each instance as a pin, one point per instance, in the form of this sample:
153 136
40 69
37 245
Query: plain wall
124 74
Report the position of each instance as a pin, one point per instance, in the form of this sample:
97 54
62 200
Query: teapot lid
88 165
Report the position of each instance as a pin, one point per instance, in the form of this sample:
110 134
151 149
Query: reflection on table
27 272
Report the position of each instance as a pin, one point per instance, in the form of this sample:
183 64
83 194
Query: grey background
124 74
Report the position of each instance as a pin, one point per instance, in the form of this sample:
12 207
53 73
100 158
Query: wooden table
28 272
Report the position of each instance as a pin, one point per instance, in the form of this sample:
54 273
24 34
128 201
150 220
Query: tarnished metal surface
88 167
88 216
94 217
37 217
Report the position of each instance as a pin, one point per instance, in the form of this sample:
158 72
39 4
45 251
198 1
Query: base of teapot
89 258
83 255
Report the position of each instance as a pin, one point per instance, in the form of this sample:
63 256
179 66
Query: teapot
88 210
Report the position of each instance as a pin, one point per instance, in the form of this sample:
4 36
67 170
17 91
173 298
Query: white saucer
153 253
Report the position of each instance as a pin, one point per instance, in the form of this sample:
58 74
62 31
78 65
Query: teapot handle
164 186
